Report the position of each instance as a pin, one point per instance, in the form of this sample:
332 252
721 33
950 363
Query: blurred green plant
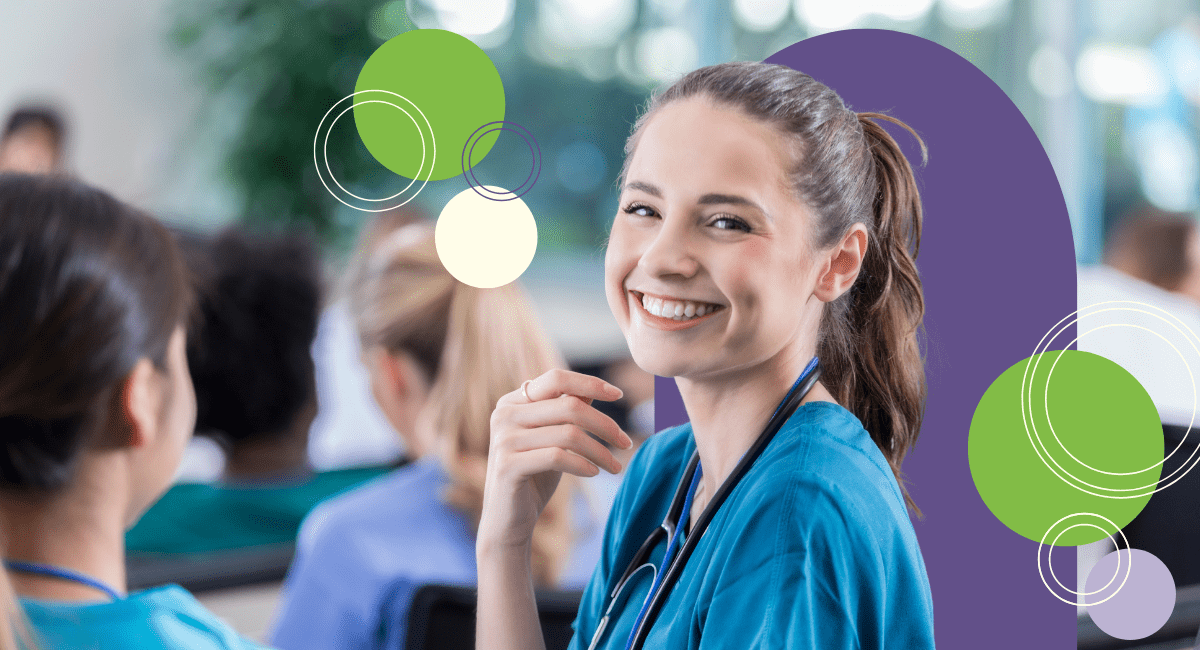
277 66
282 64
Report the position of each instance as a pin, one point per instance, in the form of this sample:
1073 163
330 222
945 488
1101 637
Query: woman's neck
728 414
81 528
275 458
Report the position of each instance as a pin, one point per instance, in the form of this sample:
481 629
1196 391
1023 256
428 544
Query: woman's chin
660 362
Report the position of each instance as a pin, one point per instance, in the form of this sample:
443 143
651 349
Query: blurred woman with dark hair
96 406
251 363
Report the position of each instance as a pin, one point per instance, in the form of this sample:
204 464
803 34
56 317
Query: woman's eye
731 223
640 210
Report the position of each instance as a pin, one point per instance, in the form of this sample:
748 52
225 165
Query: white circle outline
1046 398
1047 339
1042 575
432 140
1050 561
325 149
1183 468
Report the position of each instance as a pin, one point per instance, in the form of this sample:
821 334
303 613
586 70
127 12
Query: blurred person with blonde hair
440 354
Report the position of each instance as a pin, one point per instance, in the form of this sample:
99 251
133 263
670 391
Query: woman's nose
670 252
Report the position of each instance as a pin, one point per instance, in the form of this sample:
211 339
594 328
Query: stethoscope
681 503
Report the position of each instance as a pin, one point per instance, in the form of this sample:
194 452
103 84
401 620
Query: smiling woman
765 240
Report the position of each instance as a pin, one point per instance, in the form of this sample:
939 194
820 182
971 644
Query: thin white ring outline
325 149
1156 484
1050 562
1183 468
1042 543
432 139
1165 340
1046 397
1052 334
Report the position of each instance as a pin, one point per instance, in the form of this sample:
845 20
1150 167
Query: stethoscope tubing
658 597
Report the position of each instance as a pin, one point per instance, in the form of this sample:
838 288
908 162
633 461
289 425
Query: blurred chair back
199 572
1169 526
442 617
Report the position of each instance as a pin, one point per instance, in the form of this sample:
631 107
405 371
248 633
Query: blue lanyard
51 571
684 516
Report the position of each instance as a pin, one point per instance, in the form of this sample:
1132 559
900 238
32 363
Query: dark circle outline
530 141
523 132
471 170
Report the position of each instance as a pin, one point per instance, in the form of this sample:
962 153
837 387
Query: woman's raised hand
540 431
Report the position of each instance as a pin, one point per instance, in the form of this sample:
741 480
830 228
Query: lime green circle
450 80
1101 415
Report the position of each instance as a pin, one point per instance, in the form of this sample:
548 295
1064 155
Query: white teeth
676 309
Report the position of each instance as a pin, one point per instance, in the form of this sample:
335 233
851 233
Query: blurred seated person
251 363
1158 247
96 406
33 141
1150 258
440 355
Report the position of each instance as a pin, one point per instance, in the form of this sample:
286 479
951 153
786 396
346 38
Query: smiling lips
672 315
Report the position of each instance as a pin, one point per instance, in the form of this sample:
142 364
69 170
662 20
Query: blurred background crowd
202 113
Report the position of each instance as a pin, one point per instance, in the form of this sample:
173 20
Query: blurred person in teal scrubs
96 407
765 231
250 358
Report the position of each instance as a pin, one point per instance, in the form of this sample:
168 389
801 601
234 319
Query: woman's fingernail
613 390
628 440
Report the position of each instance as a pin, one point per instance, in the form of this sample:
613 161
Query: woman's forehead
694 142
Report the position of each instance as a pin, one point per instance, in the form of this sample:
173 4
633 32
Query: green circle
1101 415
450 80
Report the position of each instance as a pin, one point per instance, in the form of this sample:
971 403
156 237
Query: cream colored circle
485 243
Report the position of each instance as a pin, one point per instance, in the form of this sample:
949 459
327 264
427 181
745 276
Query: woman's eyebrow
730 199
652 190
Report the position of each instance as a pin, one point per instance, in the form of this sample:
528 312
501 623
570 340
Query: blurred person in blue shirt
96 407
250 358
440 353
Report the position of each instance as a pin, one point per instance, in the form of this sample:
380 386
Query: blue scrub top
813 549
165 618
361 556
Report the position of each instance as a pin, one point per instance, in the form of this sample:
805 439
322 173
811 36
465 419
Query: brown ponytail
848 170
868 347
475 345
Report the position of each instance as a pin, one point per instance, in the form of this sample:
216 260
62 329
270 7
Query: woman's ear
388 369
139 405
843 264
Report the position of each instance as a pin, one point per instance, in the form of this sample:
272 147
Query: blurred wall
131 103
